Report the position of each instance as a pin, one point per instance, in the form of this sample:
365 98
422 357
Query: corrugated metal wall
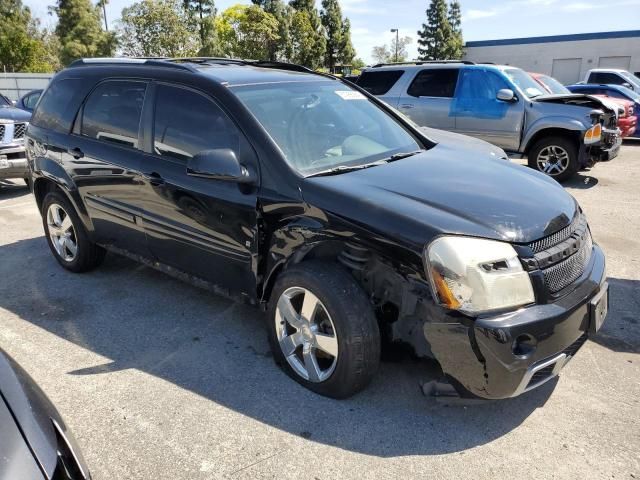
14 85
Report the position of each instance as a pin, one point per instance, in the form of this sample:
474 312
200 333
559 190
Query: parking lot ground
161 380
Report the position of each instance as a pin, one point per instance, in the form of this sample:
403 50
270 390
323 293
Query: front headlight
475 275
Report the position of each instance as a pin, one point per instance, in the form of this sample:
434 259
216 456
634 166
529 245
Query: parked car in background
613 76
35 443
28 101
503 105
613 91
346 222
13 125
627 119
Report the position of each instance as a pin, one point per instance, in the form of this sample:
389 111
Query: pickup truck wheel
555 156
66 236
322 329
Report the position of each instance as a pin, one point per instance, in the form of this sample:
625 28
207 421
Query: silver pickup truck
13 126
503 105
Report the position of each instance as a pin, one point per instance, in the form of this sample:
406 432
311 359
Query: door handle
154 178
407 105
75 153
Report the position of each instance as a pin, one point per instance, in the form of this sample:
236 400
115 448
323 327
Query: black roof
232 72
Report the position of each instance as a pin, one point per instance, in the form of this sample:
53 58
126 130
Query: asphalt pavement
161 380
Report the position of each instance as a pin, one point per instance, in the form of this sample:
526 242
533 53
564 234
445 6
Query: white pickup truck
613 76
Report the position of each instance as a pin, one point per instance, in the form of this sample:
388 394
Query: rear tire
555 156
341 322
66 235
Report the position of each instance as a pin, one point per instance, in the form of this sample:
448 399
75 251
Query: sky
371 20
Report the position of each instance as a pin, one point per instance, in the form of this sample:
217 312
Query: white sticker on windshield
350 95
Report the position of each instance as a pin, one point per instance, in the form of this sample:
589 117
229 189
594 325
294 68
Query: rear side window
434 83
379 82
606 78
59 104
112 112
31 100
187 122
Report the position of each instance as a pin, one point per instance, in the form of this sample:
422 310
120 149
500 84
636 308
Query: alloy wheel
306 334
62 233
553 160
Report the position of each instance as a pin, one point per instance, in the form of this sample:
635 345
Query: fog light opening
524 345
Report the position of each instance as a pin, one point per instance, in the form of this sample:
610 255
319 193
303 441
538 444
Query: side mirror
219 164
506 95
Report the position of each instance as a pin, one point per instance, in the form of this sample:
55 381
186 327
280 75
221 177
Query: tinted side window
31 100
434 83
112 112
187 122
380 82
606 78
59 104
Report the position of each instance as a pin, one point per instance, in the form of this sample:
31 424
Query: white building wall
539 57
14 85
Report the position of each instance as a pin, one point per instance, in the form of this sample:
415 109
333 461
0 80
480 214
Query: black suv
305 195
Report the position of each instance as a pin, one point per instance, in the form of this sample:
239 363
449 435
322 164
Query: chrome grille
558 237
2 130
568 271
19 130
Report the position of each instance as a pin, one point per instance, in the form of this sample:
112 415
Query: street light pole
395 30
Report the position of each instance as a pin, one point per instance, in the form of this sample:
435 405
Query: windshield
553 85
524 82
4 101
325 124
633 80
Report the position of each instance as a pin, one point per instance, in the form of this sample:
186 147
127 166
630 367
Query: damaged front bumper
502 356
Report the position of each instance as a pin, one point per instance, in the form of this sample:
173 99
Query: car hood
579 100
13 114
16 460
446 190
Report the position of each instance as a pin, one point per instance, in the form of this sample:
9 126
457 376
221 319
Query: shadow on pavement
13 189
581 181
142 319
621 330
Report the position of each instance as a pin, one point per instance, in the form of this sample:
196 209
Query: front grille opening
541 375
19 130
562 274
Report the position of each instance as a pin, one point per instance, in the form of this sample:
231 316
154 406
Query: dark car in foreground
303 194
13 126
34 440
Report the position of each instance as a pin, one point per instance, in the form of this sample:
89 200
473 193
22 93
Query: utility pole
395 30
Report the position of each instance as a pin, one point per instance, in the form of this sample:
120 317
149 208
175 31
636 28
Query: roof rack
423 62
129 61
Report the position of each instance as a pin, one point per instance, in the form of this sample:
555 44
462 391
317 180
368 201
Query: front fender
552 122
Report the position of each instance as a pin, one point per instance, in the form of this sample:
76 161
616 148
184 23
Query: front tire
322 329
66 235
556 157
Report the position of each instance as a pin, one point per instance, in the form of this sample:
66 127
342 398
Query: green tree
435 37
358 63
202 15
347 52
279 49
22 45
456 42
331 17
386 54
247 31
79 31
311 28
156 28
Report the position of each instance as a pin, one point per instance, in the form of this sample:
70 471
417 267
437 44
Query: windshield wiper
400 156
344 169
